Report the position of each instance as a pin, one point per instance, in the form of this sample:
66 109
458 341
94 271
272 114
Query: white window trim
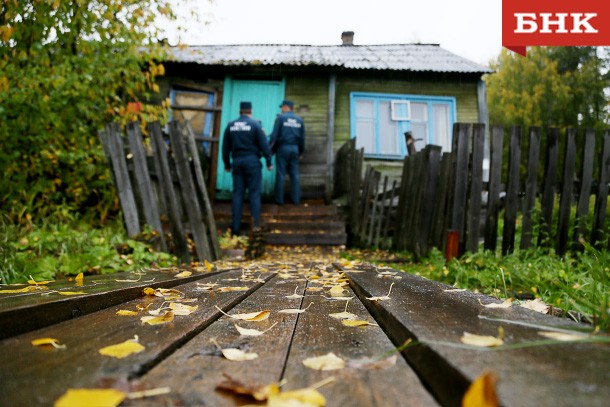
395 116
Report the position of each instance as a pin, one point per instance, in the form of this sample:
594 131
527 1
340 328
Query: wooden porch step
310 223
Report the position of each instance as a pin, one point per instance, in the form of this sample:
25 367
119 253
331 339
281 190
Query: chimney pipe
347 37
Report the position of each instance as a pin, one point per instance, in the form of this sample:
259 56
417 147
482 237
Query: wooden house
373 92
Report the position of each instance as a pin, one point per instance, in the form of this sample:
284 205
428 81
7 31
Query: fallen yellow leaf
383 298
71 292
251 316
122 349
251 332
481 340
330 361
125 312
33 282
90 397
162 319
238 355
79 279
183 274
27 289
295 310
343 315
148 291
356 322
563 336
535 305
231 289
47 343
181 309
482 392
208 265
297 398
505 304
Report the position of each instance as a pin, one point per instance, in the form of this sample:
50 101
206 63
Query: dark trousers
287 161
246 175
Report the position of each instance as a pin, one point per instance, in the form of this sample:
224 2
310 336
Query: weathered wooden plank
493 190
382 212
207 205
187 186
429 181
389 218
173 207
531 188
318 334
512 191
414 202
372 202
461 148
598 234
548 193
586 180
476 188
363 207
81 366
26 312
569 167
441 214
197 368
397 239
122 181
144 184
436 316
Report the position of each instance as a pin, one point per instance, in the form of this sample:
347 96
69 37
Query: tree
553 86
66 69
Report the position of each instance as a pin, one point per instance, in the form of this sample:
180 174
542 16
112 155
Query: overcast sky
469 28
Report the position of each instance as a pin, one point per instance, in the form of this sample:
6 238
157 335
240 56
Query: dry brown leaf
255 391
47 343
536 305
251 316
482 341
252 332
563 336
482 392
89 397
123 349
162 319
330 361
505 304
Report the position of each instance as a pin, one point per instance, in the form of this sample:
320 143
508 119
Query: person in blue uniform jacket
288 142
243 144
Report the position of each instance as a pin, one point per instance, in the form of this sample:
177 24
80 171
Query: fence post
476 188
425 215
569 166
531 187
548 194
123 183
187 187
173 207
601 200
493 191
512 191
144 184
207 205
586 180
461 148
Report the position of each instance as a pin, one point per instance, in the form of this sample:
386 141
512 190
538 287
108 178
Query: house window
379 122
193 106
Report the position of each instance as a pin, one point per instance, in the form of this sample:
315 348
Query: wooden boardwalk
183 355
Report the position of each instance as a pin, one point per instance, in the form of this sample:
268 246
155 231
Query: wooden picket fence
439 202
170 193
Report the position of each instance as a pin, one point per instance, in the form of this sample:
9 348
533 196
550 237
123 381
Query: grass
53 250
576 282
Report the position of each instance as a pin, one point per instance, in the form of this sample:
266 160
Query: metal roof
394 57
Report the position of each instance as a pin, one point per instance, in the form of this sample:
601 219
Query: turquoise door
266 97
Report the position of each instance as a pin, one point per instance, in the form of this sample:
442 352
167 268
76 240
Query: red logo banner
554 23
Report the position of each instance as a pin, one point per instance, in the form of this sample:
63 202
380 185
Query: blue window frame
201 121
379 121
